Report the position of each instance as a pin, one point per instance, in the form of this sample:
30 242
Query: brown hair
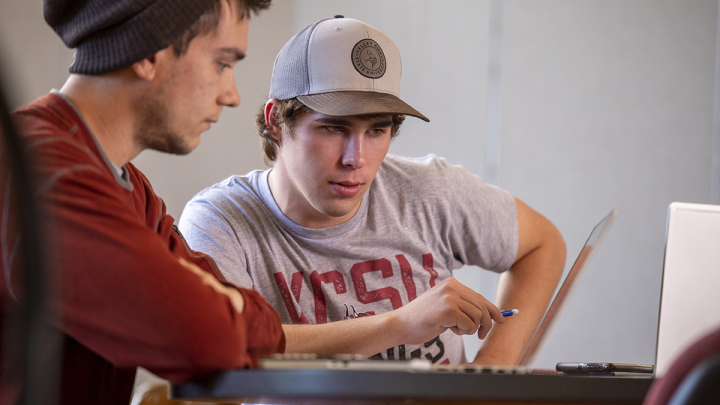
285 116
210 20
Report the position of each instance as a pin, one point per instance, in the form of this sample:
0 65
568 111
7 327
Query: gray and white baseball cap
340 66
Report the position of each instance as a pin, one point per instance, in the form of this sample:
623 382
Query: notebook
689 299
421 365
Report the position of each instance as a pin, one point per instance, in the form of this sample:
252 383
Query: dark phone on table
603 368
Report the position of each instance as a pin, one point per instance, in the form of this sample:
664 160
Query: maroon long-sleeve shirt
122 298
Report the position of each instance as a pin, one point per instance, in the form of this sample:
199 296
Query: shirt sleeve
124 295
485 222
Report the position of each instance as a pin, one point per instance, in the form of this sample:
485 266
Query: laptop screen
586 254
689 305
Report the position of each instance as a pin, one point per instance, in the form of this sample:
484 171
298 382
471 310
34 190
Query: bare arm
527 286
448 303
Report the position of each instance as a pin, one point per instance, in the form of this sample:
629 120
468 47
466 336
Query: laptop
421 365
561 298
689 300
568 286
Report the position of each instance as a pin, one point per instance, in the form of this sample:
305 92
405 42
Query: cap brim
345 103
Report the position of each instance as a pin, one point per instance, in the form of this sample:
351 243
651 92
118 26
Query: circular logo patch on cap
369 59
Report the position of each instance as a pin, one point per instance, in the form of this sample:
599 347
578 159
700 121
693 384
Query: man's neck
105 103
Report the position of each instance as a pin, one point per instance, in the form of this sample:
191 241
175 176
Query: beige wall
603 103
34 58
609 104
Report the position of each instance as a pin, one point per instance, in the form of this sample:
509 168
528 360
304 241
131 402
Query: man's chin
175 150
189 147
342 210
176 146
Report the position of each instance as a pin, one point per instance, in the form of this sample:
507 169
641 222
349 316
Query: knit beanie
112 34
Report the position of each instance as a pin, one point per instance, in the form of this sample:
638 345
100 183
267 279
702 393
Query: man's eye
378 131
223 65
334 128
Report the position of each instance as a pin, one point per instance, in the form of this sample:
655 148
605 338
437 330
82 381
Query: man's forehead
224 32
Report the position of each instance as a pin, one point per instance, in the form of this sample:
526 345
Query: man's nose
354 151
230 96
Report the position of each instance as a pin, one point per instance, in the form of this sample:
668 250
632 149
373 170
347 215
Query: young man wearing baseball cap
355 248
147 74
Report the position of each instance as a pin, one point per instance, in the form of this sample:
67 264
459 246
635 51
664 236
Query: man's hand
234 295
447 305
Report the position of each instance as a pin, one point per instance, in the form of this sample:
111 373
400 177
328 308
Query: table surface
320 386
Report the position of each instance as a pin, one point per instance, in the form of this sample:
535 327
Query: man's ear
271 110
148 68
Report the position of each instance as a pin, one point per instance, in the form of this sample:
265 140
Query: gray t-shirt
420 219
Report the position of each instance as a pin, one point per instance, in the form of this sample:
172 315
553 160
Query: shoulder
430 172
235 187
53 130
429 162
49 115
430 165
436 181
227 221
236 197
58 141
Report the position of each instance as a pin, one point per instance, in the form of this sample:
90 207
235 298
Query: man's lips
209 121
346 188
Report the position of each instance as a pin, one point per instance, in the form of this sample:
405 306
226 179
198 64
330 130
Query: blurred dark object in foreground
29 360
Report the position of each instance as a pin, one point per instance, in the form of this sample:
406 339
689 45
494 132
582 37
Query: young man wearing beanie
147 74
339 230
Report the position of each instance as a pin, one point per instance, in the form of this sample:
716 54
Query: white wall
603 103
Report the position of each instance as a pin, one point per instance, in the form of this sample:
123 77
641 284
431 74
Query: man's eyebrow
233 53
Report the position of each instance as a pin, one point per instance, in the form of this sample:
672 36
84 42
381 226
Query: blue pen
510 312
